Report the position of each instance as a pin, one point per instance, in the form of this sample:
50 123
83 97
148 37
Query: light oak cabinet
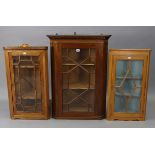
128 83
27 78
79 76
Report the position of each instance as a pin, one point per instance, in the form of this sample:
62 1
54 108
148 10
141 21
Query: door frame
114 56
58 79
42 54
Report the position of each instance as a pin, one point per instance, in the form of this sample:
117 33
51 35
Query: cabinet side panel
8 75
101 79
109 108
56 80
147 81
53 107
105 51
46 90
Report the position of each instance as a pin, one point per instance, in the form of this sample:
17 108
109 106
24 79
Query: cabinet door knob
77 50
24 53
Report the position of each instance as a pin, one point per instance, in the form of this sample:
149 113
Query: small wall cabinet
27 78
79 76
128 83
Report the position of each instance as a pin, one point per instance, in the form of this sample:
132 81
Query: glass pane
78 73
27 83
128 85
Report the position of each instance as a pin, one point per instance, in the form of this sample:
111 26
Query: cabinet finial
24 45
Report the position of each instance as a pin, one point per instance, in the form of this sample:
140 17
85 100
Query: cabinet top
127 50
102 37
25 47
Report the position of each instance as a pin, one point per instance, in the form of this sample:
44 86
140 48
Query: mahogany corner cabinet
128 83
79 66
27 78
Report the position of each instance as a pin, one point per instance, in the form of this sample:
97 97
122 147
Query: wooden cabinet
128 83
27 78
79 76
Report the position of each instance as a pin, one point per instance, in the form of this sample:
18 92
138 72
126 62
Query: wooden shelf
32 97
27 66
132 78
76 64
80 86
127 94
28 95
78 109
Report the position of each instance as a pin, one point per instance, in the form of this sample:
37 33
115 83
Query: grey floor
6 122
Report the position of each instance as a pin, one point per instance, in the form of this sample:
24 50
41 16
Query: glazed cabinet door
29 90
128 86
78 74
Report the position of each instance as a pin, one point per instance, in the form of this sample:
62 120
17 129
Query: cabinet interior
128 85
27 83
78 74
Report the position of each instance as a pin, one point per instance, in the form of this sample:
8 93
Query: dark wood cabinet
128 83
27 78
79 66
